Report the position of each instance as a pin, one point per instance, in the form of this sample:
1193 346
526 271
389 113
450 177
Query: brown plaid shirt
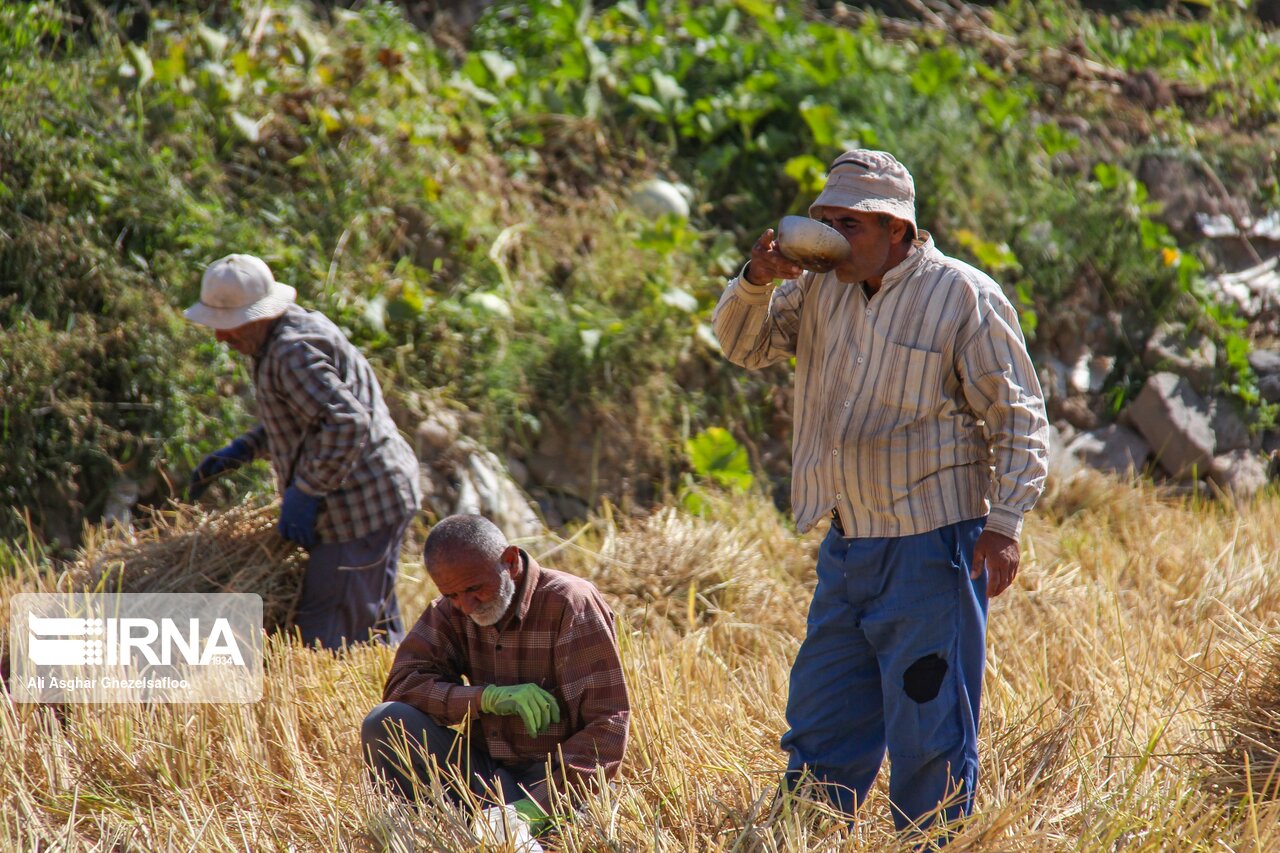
559 635
324 425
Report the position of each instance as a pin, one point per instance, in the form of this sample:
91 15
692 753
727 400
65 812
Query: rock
1265 362
1269 388
120 503
1230 432
1253 290
656 198
460 475
1240 473
436 433
1077 412
1089 373
1053 378
1190 354
1175 420
1115 449
1062 464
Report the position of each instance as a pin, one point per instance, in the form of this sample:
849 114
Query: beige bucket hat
236 290
873 181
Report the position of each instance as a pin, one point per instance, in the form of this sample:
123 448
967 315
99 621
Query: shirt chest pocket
913 378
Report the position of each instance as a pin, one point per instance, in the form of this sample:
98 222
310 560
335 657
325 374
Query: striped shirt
322 421
559 635
915 408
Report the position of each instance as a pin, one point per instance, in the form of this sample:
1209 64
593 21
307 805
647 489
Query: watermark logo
139 647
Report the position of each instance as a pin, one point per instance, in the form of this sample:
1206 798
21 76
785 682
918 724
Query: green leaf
936 71
807 171
715 454
823 121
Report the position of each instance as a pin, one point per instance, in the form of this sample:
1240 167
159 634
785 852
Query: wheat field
1132 703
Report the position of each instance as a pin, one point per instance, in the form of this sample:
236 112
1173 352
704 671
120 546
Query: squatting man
920 433
544 709
348 479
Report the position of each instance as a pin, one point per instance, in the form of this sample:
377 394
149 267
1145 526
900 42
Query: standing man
920 431
544 690
349 480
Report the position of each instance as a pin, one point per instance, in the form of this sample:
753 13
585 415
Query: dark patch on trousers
923 679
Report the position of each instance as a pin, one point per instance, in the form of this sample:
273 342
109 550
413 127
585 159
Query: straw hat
236 290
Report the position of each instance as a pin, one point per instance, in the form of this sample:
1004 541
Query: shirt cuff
463 701
755 294
1005 520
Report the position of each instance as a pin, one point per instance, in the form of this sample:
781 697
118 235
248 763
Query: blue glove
228 458
298 513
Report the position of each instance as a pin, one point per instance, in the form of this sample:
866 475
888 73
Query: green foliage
456 212
718 459
716 455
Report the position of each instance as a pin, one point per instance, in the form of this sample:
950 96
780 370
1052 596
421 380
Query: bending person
544 696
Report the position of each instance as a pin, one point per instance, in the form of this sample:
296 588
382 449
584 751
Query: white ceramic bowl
811 244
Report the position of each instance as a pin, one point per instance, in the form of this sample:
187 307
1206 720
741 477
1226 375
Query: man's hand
1000 555
536 707
228 458
767 263
298 511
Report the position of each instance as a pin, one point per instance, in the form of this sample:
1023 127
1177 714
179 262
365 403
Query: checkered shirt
559 635
326 429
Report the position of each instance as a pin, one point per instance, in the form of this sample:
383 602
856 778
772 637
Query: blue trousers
892 658
349 591
391 723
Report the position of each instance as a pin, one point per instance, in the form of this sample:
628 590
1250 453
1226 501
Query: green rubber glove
532 814
536 707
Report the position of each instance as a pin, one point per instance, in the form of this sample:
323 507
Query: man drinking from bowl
920 431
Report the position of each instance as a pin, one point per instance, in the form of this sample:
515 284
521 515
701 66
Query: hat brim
845 200
272 305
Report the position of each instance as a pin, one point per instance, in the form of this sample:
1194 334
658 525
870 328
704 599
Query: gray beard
490 613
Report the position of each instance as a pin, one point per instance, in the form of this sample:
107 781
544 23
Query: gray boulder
1172 347
1229 429
1265 362
1240 473
1176 421
1115 449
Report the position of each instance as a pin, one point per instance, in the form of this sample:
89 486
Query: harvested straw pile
186 550
674 571
1246 718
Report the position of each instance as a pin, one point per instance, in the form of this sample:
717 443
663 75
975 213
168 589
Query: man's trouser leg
834 707
893 656
349 591
391 726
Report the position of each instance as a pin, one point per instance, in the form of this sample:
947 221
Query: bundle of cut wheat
183 549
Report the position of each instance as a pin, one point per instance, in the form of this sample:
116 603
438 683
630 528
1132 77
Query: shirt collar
273 333
922 248
524 592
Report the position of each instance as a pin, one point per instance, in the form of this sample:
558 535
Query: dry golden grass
1131 704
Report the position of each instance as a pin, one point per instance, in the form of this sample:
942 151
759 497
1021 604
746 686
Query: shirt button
839 496
498 647
846 404
859 359
868 312
835 452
